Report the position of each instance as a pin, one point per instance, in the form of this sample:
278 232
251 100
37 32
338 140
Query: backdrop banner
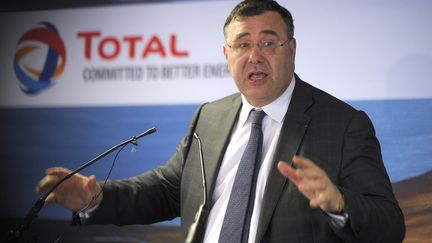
75 82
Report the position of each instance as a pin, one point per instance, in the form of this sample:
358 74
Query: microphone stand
196 227
15 234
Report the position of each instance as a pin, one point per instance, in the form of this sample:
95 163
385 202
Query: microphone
16 234
197 225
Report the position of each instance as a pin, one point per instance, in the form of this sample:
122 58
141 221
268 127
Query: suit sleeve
374 214
147 198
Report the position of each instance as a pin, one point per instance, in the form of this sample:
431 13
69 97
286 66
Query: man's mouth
255 76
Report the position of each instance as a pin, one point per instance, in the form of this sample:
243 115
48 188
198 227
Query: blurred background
115 68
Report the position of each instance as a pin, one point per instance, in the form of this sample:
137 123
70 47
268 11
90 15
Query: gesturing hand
313 183
75 193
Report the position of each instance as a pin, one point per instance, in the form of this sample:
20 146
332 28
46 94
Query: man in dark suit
320 177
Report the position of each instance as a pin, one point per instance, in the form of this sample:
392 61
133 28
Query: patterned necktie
235 227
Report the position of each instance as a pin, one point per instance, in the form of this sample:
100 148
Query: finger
51 198
307 168
321 200
59 171
286 170
47 182
303 162
313 185
310 173
307 193
315 202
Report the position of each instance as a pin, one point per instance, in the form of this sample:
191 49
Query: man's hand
313 183
75 193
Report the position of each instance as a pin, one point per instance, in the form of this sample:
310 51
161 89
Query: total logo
40 58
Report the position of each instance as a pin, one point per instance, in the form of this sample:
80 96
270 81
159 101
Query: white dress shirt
271 127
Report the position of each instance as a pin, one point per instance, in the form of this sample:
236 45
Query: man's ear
293 48
225 51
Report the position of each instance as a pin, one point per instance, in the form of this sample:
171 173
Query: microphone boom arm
16 234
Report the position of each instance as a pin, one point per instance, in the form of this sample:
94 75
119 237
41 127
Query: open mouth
256 76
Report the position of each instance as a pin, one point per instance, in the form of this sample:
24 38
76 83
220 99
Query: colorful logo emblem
40 58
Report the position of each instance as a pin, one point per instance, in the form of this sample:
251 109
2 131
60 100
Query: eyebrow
269 32
266 32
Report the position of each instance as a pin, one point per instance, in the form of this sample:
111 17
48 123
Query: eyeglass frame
260 47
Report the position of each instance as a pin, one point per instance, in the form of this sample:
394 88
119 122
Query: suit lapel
292 132
217 139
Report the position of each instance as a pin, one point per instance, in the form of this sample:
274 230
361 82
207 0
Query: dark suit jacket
338 138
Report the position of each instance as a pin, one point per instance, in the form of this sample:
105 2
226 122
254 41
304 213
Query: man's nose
255 55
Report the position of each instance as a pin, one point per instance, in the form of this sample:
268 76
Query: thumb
92 180
95 190
91 183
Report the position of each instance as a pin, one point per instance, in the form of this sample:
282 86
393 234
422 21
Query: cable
90 204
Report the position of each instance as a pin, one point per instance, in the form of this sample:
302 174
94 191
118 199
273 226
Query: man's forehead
264 32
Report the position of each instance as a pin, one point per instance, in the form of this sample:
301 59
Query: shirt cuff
338 220
86 214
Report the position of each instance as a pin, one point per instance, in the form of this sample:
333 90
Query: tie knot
257 116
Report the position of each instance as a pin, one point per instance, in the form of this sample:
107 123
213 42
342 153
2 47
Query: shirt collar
275 110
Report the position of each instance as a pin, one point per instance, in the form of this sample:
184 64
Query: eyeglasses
267 47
